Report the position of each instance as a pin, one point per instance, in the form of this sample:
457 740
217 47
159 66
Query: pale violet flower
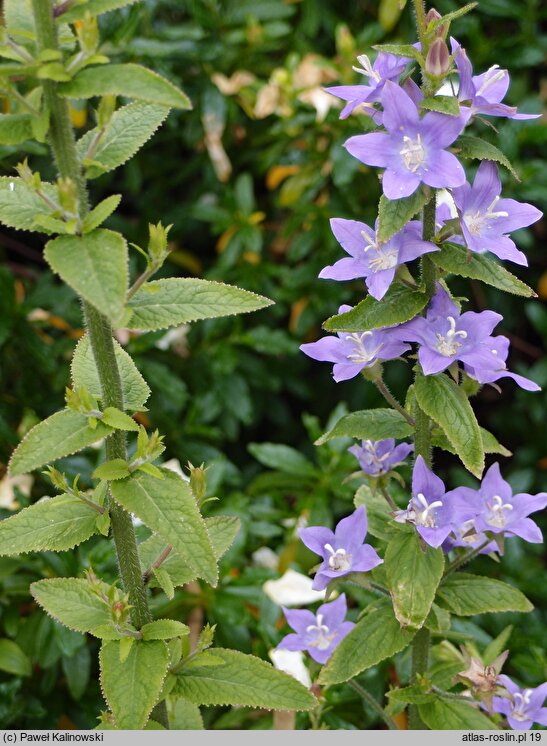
377 457
291 662
523 707
292 589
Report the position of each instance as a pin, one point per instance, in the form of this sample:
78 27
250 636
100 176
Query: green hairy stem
63 146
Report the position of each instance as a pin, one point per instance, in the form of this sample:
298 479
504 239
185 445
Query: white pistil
496 517
366 68
520 706
423 517
361 354
413 153
448 344
324 636
339 560
475 221
370 243
369 446
491 76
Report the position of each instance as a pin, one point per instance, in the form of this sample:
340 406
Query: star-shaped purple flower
412 150
524 707
350 353
482 94
446 336
486 219
385 67
318 633
498 511
377 457
343 550
428 509
376 262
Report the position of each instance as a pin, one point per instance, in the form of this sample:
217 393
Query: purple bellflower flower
377 457
486 219
376 262
318 633
350 353
343 550
446 336
484 93
412 150
524 707
428 509
385 67
498 511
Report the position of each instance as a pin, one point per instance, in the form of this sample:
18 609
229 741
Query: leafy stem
374 705
465 558
157 563
388 396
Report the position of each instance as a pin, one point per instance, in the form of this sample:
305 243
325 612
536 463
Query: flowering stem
453 696
390 501
419 9
374 705
61 136
139 282
388 396
157 563
465 558
420 663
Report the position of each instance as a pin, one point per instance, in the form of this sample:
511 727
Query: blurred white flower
8 498
174 465
175 339
291 662
292 589
445 198
265 557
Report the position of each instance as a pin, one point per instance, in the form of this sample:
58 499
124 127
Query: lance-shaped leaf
282 457
394 214
443 104
175 301
100 213
457 260
128 130
186 716
95 267
444 714
489 442
380 519
54 523
84 374
133 687
465 594
164 629
19 21
15 128
227 677
413 574
446 404
168 507
375 637
73 602
19 205
62 434
13 660
369 424
94 8
398 305
467 146
222 531
130 81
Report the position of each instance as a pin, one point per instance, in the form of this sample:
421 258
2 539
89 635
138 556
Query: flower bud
432 16
157 245
437 62
88 34
68 198
198 481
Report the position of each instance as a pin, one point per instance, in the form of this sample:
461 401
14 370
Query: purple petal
528 530
379 282
400 111
292 642
400 183
326 349
519 724
442 305
399 454
365 558
479 325
444 170
487 185
527 504
541 716
433 362
299 619
351 531
440 129
424 481
494 484
521 215
347 268
494 91
315 538
348 233
345 371
413 248
433 536
335 612
374 149
504 248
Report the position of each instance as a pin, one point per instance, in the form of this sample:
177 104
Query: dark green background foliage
235 382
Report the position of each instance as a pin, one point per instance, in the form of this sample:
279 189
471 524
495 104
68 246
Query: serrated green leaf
84 374
119 420
175 571
15 128
53 71
94 8
413 576
19 205
283 458
449 17
401 50
168 507
185 716
467 146
239 679
164 629
378 512
95 267
444 714
465 594
443 104
132 689
457 260
128 80
394 214
374 638
398 305
438 620
175 301
411 695
445 402
62 434
100 213
497 646
117 468
128 130
369 424
13 660
489 443
72 602
54 523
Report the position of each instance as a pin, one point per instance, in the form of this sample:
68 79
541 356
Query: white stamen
366 69
370 242
413 153
422 517
11 186
339 560
520 705
475 221
496 516
491 76
448 345
361 354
